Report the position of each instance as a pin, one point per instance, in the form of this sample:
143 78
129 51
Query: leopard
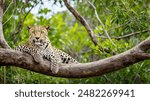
39 47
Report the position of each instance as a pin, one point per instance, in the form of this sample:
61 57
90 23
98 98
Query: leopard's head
38 35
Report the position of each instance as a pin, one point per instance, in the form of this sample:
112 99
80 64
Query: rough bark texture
96 68
3 42
82 20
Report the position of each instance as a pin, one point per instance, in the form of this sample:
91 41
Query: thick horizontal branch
81 70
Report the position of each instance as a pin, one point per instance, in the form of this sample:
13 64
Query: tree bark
3 42
10 57
82 20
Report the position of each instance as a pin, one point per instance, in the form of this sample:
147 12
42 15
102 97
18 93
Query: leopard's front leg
54 60
54 66
34 53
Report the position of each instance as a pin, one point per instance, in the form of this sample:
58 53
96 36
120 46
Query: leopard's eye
32 31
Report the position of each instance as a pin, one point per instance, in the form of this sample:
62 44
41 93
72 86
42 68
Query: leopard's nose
37 38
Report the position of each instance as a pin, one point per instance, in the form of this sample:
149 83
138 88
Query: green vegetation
120 18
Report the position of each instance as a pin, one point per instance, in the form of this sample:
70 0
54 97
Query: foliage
120 17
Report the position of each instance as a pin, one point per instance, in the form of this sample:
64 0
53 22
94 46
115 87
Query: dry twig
100 22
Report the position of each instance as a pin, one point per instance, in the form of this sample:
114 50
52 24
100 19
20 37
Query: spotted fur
39 46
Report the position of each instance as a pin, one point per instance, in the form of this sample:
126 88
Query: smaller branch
8 19
8 7
86 25
101 23
127 35
10 16
82 21
3 42
131 34
118 26
30 9
20 25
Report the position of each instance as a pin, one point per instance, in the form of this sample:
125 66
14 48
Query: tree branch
10 57
82 21
86 25
3 42
8 6
127 35
131 34
20 24
100 22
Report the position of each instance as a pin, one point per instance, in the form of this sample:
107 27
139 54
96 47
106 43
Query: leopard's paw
38 58
55 68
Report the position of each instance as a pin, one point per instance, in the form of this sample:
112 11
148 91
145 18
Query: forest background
125 21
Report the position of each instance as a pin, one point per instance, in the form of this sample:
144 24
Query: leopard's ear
47 27
29 27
